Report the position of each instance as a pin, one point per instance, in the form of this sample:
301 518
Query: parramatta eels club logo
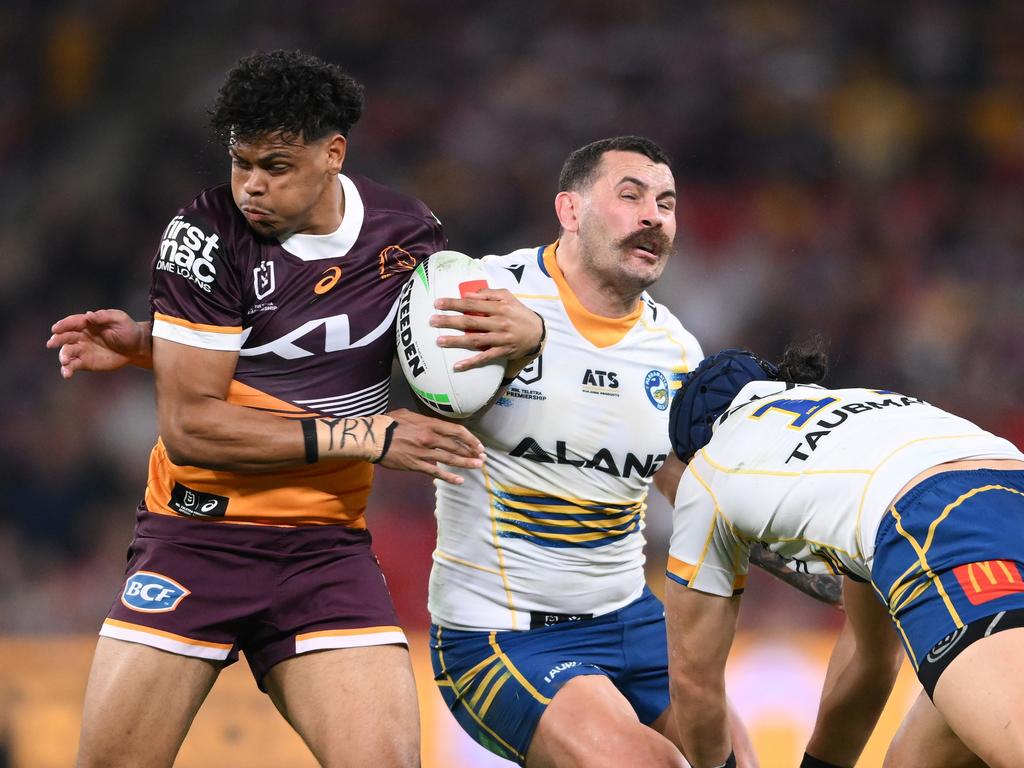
656 386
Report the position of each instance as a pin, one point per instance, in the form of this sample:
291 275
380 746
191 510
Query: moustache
653 240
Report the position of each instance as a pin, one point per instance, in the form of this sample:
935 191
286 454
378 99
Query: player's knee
391 751
636 745
93 756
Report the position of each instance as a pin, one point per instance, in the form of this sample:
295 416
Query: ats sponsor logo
187 251
601 382
150 592
186 501
656 386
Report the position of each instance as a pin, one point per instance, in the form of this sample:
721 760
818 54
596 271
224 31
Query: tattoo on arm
357 438
331 424
820 586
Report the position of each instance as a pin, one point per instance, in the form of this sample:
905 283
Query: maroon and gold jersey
312 319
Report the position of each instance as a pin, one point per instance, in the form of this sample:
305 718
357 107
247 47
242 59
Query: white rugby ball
427 367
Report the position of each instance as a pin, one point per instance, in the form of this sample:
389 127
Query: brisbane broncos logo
395 259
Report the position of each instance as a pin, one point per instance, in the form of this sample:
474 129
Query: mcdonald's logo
989 580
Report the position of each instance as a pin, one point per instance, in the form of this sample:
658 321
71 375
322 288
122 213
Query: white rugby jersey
553 521
808 472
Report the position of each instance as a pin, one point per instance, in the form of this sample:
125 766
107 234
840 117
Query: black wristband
309 436
543 335
814 762
730 761
388 432
533 354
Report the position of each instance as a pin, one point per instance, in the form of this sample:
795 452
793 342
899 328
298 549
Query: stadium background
853 168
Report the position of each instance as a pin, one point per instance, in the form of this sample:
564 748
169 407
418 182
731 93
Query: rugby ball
427 367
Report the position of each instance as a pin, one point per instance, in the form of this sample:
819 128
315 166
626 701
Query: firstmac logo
187 251
150 592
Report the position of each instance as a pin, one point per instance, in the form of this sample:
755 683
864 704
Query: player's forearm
222 436
701 716
142 356
857 686
822 587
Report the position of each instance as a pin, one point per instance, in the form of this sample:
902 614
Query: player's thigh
354 707
925 740
981 695
589 723
139 704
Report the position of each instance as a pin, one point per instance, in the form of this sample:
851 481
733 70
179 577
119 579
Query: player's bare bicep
186 374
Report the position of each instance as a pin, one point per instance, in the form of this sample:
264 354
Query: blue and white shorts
949 564
498 684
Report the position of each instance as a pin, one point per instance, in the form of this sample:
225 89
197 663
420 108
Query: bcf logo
152 593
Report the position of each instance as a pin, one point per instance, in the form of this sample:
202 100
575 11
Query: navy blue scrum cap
707 392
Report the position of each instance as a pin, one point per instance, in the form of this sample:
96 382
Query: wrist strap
529 357
730 761
814 762
543 337
309 437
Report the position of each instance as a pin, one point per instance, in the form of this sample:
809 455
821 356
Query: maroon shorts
210 589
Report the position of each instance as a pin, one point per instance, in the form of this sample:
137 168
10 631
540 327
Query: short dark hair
288 93
580 167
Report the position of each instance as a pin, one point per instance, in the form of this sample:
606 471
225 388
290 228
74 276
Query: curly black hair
805 362
290 93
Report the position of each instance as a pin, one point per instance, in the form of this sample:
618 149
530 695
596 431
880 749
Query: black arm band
387 441
730 761
813 762
309 436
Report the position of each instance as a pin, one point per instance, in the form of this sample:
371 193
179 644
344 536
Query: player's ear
336 146
567 208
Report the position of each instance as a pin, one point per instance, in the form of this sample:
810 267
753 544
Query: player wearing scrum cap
921 510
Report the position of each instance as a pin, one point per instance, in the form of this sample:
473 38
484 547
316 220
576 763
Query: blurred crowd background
850 168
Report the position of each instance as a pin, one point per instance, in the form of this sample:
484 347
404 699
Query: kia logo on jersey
150 592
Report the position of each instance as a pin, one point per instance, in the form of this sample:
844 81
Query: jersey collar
598 330
339 242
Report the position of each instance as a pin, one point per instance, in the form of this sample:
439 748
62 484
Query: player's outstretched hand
419 443
495 322
103 340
